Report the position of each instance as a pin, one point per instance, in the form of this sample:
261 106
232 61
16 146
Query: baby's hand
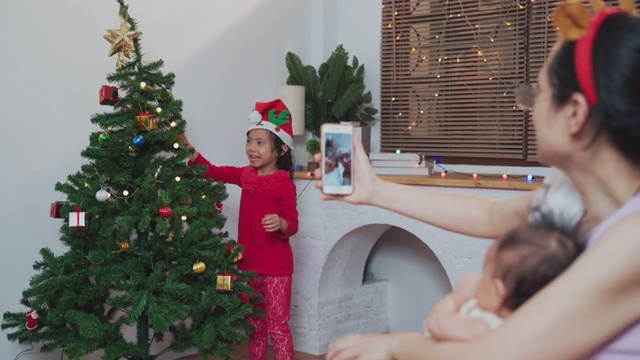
466 288
272 222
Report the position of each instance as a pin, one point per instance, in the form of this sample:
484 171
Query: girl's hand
354 347
364 177
183 138
273 222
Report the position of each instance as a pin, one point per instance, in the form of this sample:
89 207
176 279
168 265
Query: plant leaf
296 69
335 92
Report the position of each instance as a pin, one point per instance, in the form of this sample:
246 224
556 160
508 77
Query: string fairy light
435 162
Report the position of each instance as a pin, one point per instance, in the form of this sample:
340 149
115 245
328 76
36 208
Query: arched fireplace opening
415 277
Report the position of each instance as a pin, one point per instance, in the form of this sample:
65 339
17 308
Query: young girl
268 217
515 268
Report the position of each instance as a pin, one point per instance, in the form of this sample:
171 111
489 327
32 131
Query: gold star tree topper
121 41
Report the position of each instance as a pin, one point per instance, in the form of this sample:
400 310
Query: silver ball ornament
102 195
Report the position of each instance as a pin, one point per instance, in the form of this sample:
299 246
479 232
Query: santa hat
275 117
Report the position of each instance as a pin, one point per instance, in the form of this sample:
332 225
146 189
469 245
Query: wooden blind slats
448 69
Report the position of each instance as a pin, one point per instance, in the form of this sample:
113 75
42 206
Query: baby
515 268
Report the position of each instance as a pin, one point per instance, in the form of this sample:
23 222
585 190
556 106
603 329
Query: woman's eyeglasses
526 96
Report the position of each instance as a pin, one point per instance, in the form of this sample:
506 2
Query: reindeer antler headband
574 22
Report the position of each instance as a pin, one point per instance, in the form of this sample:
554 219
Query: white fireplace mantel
330 250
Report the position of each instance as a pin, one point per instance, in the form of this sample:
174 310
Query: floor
241 353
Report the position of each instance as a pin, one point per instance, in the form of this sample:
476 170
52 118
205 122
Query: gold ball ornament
124 245
199 267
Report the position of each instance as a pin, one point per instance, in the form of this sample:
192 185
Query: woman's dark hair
285 161
616 62
531 256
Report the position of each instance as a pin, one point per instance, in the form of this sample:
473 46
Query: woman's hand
369 347
364 178
390 346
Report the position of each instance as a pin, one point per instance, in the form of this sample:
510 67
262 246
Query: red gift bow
77 216
77 211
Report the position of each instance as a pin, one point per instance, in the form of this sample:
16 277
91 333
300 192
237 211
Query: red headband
583 56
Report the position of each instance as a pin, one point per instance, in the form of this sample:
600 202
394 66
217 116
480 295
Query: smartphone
337 168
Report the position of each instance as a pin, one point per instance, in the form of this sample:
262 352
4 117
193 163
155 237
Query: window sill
455 180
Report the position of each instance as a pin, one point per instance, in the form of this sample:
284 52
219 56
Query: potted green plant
313 147
334 93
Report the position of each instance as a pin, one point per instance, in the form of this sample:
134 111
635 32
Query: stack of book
399 164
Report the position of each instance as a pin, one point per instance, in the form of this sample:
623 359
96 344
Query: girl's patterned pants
276 304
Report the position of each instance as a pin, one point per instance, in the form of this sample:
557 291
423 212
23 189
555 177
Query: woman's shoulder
624 231
624 222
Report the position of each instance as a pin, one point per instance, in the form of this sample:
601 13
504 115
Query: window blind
448 71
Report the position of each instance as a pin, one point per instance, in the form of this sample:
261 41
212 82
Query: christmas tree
146 260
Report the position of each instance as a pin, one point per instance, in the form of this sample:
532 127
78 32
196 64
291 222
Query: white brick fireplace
331 250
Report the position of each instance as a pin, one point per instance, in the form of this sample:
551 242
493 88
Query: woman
587 118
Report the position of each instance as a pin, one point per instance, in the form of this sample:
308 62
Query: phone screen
337 167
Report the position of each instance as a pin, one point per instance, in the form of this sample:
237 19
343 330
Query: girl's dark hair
616 68
531 256
285 161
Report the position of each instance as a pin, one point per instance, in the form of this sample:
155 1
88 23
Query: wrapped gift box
224 282
56 208
78 219
108 95
147 121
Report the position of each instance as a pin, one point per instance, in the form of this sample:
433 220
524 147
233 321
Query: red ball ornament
219 207
32 320
165 211
244 298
